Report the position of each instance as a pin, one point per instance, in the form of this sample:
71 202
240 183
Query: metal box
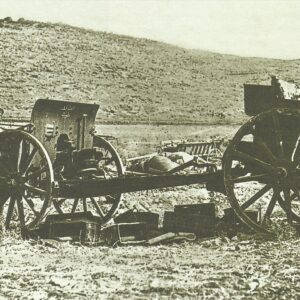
195 218
260 98
130 216
201 209
83 227
124 234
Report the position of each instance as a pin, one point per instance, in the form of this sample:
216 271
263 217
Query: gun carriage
58 158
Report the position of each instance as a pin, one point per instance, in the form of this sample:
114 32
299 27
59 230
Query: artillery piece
58 158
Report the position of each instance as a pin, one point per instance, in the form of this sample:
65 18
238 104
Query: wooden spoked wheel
26 179
262 169
109 166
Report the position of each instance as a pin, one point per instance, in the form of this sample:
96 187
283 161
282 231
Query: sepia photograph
149 149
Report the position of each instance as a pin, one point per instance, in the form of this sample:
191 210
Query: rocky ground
133 80
216 269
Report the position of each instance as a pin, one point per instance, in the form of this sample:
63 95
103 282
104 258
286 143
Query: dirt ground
215 269
135 140
244 267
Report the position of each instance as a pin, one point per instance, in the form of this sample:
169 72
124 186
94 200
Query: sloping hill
132 79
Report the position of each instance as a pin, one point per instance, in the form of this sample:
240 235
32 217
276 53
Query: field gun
57 157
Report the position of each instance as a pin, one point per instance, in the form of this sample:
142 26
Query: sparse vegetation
133 80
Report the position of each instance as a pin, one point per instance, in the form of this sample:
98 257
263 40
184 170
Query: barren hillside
133 80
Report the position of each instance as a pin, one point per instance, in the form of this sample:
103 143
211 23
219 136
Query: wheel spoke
21 211
34 189
295 195
108 174
57 206
98 208
251 178
108 161
277 133
287 201
295 148
75 203
2 203
270 207
250 159
287 207
61 201
20 154
29 160
255 197
106 152
1 217
31 205
263 148
36 174
84 204
10 211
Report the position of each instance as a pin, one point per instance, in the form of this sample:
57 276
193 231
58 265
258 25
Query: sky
264 28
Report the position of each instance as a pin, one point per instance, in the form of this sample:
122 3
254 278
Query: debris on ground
187 222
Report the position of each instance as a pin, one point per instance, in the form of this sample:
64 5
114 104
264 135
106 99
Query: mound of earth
133 80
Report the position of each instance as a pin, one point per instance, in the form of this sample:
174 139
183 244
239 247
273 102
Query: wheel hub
286 173
15 180
282 172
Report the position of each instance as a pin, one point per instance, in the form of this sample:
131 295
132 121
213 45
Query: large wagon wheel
262 168
110 165
26 179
